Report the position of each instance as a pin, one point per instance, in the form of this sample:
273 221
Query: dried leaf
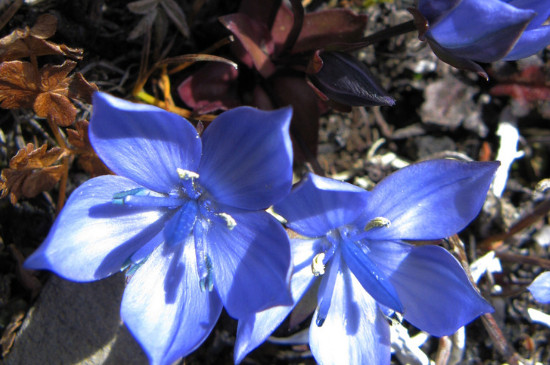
177 16
19 84
80 88
47 91
87 158
8 336
31 172
26 42
56 108
144 25
149 10
44 27
142 7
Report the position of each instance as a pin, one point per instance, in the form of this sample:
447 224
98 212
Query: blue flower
463 32
185 214
540 288
360 268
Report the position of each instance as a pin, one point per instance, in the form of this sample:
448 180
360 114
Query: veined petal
491 47
247 157
92 238
373 280
250 263
319 204
355 331
473 20
540 288
254 329
531 42
143 143
429 200
164 308
436 294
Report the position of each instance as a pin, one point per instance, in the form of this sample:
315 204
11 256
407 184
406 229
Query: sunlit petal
93 238
319 204
355 331
429 200
250 263
254 329
247 157
143 143
164 308
540 288
436 294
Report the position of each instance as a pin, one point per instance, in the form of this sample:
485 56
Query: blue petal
247 157
436 294
474 20
435 10
373 280
319 204
531 42
92 238
540 288
541 7
142 142
429 200
355 331
454 58
250 263
254 329
492 47
164 308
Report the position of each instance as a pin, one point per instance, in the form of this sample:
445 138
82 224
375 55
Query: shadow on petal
119 255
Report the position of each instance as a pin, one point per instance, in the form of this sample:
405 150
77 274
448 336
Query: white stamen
229 220
186 174
317 266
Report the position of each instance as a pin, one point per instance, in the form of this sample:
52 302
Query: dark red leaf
211 88
256 40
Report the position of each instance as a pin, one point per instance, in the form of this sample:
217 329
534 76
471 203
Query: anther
317 264
186 174
229 220
377 222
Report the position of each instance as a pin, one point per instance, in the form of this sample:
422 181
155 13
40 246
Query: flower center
192 211
335 238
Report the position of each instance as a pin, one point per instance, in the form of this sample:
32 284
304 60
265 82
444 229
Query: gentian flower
540 288
463 32
185 215
360 267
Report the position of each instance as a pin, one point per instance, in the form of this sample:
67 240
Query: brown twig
502 345
63 184
540 211
443 351
9 13
527 260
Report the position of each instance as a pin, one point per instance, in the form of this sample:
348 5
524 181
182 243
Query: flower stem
381 35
